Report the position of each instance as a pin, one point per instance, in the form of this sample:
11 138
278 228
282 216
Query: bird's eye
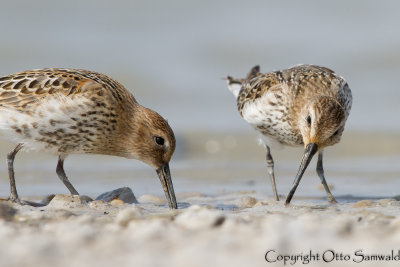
159 140
336 133
309 120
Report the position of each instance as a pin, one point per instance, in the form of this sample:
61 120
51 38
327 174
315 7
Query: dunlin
70 111
305 105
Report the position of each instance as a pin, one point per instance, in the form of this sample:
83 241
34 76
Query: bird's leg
10 160
63 177
320 171
270 168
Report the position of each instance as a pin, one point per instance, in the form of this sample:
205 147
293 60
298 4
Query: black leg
320 172
63 177
270 168
10 160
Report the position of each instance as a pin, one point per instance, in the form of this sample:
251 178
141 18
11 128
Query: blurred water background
173 56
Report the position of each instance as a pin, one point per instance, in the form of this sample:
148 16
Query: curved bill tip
166 182
309 152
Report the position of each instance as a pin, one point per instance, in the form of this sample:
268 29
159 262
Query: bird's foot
287 203
332 200
15 199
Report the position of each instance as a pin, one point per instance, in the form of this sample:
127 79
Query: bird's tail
235 85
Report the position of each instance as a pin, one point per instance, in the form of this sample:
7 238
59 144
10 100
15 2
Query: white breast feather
58 108
259 112
235 88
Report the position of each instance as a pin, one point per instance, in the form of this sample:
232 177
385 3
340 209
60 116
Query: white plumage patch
258 111
234 88
270 118
49 115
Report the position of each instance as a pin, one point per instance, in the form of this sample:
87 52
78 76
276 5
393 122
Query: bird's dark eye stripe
159 140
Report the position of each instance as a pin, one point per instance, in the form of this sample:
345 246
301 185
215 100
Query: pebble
363 203
116 201
124 194
246 202
152 199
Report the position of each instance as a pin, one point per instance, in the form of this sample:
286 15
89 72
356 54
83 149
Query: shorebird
305 105
72 111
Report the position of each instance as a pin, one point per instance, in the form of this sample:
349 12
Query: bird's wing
257 87
235 85
23 88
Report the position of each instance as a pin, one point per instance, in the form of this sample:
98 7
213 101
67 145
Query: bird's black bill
166 182
309 152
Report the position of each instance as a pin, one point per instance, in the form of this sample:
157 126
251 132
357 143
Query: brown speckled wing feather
256 87
302 80
21 89
310 79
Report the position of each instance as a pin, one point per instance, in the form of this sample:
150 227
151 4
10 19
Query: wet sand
231 229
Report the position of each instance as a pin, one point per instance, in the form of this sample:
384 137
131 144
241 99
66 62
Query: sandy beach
238 231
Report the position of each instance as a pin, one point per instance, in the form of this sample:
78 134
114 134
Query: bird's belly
283 135
272 120
58 130
55 136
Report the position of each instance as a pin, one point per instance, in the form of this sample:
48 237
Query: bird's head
149 138
154 139
321 124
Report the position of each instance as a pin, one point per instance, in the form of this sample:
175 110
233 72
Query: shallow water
355 170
